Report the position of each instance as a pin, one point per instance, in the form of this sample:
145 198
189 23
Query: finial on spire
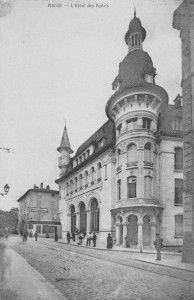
134 12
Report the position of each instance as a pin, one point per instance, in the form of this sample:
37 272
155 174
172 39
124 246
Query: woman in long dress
109 242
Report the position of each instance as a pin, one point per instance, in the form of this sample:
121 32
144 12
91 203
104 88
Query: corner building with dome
127 178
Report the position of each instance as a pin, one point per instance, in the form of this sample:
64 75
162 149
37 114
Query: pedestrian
56 237
158 245
94 239
68 237
84 234
81 237
36 236
25 234
109 242
73 236
88 236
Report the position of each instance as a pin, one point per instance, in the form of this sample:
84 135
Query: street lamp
6 189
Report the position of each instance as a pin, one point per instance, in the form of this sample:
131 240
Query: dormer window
177 124
149 78
88 152
101 143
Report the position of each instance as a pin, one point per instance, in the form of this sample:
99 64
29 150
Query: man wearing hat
158 245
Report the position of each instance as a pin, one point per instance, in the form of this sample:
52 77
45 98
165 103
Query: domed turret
136 33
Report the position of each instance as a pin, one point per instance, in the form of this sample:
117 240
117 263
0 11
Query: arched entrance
146 231
83 217
73 218
132 231
94 215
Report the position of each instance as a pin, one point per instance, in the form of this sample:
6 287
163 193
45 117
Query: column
118 236
88 221
78 221
153 234
140 240
124 245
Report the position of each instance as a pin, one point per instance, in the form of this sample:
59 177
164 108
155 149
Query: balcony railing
132 164
148 164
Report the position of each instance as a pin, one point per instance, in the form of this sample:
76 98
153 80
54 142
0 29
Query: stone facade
126 179
184 21
38 211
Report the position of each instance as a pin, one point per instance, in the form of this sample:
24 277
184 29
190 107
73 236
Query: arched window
75 183
131 187
80 181
119 189
83 217
148 152
86 178
147 186
92 175
67 189
132 153
94 216
99 171
178 159
73 218
119 157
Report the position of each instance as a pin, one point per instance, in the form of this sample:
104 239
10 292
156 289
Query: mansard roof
106 131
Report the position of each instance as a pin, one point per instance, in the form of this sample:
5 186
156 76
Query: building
38 211
127 178
183 20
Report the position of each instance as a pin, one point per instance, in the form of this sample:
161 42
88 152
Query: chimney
35 186
177 101
48 187
41 185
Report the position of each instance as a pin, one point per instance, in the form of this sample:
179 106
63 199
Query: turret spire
134 12
65 144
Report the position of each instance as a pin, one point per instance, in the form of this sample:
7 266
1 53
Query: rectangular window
179 225
132 187
45 229
146 123
178 191
119 189
178 159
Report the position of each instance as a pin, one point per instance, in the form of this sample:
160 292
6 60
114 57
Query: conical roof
65 144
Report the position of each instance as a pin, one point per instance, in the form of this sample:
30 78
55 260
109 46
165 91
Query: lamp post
6 189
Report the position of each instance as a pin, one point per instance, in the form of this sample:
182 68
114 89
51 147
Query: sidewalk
168 259
25 283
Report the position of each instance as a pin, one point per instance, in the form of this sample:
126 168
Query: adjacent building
183 20
38 211
127 178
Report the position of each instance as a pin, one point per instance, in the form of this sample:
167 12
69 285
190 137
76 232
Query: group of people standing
78 236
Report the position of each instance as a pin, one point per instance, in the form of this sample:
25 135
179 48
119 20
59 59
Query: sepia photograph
96 149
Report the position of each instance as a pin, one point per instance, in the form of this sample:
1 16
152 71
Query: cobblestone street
80 276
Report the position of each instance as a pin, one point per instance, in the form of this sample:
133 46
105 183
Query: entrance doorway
146 230
73 218
132 231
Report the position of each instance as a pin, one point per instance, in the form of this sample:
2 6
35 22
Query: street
78 275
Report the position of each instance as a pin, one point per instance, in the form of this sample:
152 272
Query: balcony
119 169
148 164
131 165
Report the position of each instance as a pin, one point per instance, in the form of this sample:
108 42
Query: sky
57 64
